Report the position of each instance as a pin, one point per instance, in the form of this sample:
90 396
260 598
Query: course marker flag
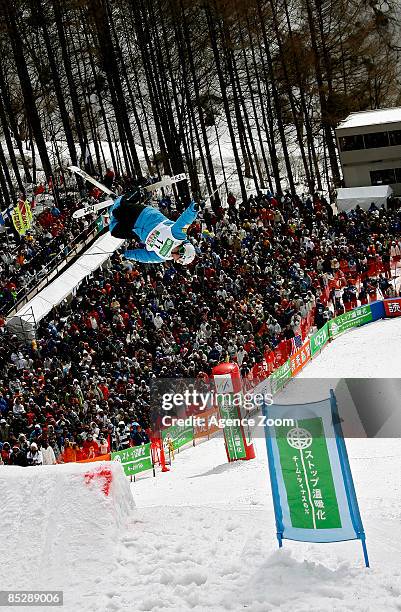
313 492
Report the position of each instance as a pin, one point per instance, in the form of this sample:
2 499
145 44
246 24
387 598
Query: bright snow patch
202 537
59 526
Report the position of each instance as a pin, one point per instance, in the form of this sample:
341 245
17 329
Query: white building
369 143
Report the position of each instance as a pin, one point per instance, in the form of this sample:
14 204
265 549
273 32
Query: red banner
281 353
299 359
98 458
393 307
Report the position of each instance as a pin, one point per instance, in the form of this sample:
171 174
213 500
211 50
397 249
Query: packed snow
59 526
373 350
202 536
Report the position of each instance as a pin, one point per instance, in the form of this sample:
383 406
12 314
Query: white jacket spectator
241 354
34 456
48 456
158 321
295 322
274 328
222 293
18 408
304 309
103 446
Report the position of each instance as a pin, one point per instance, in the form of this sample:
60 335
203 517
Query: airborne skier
163 239
131 217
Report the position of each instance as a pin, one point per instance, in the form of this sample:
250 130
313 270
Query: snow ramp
60 525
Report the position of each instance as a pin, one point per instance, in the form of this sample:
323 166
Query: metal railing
56 265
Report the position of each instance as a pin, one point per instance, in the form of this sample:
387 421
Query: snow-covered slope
373 350
59 525
202 537
213 541
209 533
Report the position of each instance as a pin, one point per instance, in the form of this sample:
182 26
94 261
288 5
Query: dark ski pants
126 214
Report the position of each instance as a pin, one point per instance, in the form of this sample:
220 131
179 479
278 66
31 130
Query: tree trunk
40 16
99 16
17 45
328 134
216 54
79 125
276 101
13 124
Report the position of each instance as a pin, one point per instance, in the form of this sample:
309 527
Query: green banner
307 475
134 459
232 431
279 377
99 223
319 339
179 435
353 318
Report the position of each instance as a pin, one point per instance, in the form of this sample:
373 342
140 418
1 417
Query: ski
167 181
90 179
91 208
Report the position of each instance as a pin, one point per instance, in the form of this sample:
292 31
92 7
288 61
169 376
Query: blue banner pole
273 483
348 480
365 551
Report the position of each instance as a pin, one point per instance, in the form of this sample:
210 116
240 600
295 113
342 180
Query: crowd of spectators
26 259
83 386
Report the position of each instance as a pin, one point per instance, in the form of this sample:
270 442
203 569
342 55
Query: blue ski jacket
148 219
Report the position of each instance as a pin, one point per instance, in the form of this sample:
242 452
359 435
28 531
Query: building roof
371 117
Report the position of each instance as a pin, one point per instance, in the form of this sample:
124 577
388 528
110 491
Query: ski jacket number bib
161 241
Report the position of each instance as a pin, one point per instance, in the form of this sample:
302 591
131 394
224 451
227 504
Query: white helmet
187 253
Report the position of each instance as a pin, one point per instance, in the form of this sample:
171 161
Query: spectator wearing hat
5 453
34 456
4 430
18 456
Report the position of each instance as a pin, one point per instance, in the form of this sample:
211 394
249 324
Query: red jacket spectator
91 447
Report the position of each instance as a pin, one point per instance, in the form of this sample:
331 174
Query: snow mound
60 524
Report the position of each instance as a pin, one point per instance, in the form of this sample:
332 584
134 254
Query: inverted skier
162 238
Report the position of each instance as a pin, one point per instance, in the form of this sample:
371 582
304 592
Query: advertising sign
208 427
392 307
278 379
300 358
313 492
178 434
353 318
134 459
233 433
307 475
319 339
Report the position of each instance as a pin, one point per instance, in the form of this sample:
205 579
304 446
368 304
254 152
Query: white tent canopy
39 306
349 198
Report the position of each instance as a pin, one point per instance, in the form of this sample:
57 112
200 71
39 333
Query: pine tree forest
169 86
